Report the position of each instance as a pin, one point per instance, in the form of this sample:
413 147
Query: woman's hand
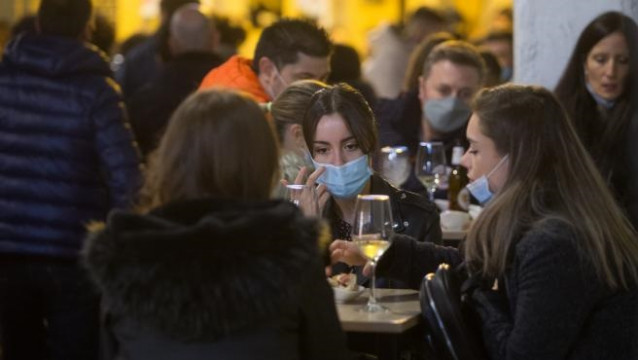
346 252
306 200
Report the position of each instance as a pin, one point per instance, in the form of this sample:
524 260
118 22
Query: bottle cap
457 154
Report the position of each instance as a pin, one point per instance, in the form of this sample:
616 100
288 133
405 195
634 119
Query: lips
610 88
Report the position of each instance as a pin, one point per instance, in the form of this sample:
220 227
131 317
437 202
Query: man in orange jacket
287 51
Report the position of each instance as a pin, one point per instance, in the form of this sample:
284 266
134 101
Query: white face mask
270 91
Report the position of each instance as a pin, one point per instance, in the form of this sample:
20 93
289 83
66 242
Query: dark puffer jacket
215 279
66 154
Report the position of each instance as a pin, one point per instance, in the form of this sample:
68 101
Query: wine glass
395 164
372 232
305 197
431 166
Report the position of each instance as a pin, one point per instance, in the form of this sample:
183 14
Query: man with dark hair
68 157
143 62
287 51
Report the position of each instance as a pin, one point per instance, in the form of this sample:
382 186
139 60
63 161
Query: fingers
301 175
367 269
346 252
312 179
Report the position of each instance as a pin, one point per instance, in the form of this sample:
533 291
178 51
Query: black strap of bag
451 327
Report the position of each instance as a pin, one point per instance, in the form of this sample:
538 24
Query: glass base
374 308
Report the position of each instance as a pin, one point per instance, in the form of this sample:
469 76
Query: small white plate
342 294
474 210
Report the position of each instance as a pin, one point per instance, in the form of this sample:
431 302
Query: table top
404 312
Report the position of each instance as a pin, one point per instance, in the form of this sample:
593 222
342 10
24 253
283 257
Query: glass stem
431 194
372 301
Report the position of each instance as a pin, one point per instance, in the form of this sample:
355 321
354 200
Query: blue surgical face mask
447 114
480 188
506 73
345 181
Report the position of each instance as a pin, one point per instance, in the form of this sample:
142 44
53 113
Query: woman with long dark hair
564 256
598 90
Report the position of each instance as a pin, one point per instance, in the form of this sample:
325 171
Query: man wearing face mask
287 51
452 74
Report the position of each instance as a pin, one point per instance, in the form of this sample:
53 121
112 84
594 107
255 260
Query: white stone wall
545 33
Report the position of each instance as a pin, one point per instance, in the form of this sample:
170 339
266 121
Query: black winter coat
554 305
153 104
66 154
215 279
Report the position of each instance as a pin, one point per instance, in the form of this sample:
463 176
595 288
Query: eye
320 150
444 91
472 151
465 95
601 59
624 60
353 146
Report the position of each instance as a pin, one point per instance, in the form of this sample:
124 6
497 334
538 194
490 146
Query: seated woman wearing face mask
341 134
565 257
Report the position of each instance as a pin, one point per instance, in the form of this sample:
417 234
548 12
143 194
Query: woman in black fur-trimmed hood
209 267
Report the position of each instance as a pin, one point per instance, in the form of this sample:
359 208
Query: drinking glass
372 232
305 197
395 164
431 166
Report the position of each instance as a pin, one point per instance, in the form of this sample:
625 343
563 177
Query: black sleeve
409 261
320 337
555 294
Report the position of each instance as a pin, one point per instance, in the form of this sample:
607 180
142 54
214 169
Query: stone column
545 33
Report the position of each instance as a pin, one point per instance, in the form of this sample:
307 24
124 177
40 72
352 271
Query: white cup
455 220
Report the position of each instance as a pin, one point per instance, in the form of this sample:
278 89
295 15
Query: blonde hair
551 177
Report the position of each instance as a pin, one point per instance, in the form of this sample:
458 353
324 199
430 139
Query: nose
611 68
465 160
338 158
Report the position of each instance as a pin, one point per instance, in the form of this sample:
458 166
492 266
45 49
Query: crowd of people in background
141 184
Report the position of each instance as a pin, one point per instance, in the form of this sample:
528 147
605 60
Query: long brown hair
551 176
291 105
602 136
218 143
344 100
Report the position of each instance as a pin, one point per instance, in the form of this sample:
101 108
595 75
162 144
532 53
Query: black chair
451 328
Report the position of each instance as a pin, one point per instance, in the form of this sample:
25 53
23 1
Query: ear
266 66
38 27
266 72
296 132
422 95
173 46
216 40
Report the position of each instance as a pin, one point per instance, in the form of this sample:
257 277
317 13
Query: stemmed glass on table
372 233
431 166
395 164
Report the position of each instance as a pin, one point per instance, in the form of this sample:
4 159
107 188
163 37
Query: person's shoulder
550 234
404 197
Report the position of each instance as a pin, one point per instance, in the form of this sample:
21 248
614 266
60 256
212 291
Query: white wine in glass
431 166
372 233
